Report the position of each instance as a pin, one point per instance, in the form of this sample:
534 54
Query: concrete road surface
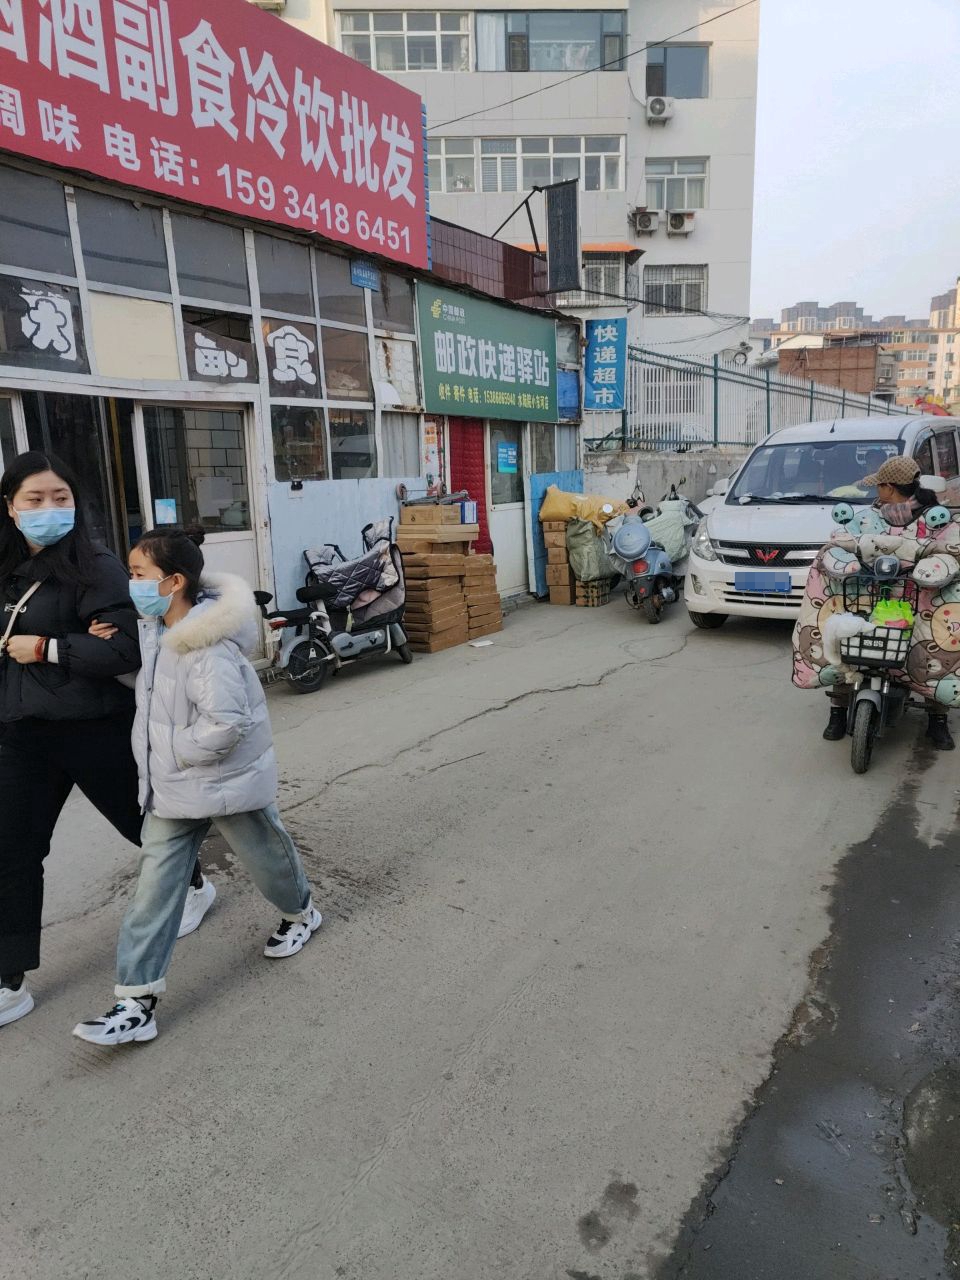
571 885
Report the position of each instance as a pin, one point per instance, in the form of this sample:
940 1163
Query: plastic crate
882 647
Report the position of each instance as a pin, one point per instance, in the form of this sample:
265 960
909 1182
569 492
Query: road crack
496 709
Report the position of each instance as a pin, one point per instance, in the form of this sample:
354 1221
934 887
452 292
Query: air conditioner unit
646 221
659 110
271 6
679 222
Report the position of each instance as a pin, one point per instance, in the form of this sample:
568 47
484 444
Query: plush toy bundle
930 549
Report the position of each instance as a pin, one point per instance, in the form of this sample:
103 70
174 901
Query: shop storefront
248 365
492 376
192 370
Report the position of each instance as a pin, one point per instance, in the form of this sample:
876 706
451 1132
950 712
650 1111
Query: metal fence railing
690 402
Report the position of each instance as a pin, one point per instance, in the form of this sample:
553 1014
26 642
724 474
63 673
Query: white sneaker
292 936
127 1020
198 903
14 1004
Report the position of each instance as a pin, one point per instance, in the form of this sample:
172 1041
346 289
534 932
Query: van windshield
815 471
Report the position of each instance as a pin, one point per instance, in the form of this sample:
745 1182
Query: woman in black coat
66 697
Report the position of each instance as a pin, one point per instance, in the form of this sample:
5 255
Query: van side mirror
720 488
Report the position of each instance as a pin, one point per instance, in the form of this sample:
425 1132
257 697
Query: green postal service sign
484 361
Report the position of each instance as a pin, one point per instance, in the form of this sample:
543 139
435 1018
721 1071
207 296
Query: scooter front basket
882 648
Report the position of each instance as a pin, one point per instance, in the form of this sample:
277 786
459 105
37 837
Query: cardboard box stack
435 548
483 599
560 577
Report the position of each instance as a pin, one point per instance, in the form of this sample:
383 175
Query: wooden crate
590 595
488 630
434 619
430 514
429 558
436 533
435 644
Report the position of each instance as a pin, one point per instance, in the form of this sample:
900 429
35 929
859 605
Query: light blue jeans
170 847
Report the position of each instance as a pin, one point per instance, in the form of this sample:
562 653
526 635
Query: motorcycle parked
353 609
653 579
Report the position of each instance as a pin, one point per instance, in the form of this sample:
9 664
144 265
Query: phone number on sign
327 215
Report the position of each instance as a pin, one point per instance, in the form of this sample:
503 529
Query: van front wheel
707 621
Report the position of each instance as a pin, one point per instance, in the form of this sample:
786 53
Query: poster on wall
605 369
221 105
481 360
507 458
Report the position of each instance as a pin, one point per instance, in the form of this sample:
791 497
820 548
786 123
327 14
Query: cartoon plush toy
945 628
948 691
867 521
935 572
835 562
872 545
842 513
937 517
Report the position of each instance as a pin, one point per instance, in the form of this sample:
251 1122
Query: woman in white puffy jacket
204 752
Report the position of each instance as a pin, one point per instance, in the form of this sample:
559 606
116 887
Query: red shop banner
219 104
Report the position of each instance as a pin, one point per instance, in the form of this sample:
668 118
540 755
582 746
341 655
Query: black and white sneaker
15 1003
292 936
128 1020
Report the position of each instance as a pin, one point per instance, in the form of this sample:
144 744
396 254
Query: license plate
763 583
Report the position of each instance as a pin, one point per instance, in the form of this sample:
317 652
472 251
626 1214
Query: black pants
41 761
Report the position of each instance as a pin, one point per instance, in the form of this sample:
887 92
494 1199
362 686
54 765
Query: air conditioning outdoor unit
659 110
271 6
646 221
679 222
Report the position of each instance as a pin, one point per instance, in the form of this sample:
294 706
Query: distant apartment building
945 309
661 139
810 317
926 363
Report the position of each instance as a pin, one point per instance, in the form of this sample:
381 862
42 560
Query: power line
700 337
667 306
614 62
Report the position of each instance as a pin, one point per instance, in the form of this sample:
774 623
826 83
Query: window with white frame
402 40
517 164
674 290
602 276
452 164
676 184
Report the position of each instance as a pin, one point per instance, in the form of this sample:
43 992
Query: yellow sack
558 505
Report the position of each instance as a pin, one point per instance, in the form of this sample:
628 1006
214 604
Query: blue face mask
145 594
46 527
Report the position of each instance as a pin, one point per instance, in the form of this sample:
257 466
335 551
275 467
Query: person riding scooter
901 503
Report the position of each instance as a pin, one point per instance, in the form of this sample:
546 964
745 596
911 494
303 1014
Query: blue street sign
605 373
365 275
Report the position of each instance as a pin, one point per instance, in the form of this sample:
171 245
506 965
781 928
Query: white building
668 131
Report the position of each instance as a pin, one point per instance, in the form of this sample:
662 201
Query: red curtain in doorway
468 471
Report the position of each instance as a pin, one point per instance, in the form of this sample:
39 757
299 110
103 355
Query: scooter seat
296 617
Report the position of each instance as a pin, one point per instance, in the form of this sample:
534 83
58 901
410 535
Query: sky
858 154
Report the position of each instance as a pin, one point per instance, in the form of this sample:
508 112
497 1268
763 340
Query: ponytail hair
176 550
926 497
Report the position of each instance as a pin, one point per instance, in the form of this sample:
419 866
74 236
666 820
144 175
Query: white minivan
753 549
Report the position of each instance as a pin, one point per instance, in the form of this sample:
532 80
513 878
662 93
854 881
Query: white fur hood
226 610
